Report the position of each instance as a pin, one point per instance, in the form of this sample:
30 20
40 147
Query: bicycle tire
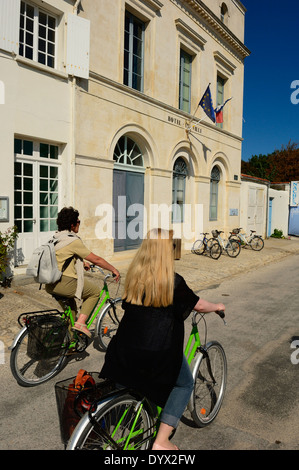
111 425
233 248
30 372
108 322
257 243
235 238
198 247
208 396
215 250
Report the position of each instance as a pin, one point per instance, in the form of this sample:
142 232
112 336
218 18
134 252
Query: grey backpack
43 265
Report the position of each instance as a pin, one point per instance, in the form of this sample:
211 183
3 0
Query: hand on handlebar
116 275
220 308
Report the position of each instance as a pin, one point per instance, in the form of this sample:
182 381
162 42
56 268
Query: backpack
43 264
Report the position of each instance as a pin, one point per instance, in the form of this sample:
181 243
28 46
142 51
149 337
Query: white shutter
9 25
77 53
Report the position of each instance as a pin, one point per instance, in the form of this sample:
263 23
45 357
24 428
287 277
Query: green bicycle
46 340
124 420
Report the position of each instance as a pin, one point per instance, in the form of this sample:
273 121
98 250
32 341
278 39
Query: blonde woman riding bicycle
146 353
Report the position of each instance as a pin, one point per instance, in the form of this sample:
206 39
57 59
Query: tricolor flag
219 112
207 105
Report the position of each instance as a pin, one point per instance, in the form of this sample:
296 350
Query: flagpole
189 128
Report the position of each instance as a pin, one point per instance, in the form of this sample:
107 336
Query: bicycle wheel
108 322
233 248
123 423
235 238
198 247
215 250
29 370
257 243
209 392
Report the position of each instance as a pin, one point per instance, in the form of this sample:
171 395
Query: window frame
31 153
220 95
37 39
183 83
179 173
214 185
129 80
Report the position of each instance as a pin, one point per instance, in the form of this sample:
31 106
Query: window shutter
77 54
9 25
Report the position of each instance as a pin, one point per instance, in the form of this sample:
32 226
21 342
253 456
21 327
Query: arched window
180 172
223 12
127 153
215 178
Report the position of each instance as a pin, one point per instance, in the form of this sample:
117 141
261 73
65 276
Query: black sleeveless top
147 351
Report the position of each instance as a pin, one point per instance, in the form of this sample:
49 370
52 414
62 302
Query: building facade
102 97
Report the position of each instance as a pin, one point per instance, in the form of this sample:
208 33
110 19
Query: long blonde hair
150 277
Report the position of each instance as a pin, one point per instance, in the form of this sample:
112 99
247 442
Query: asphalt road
261 406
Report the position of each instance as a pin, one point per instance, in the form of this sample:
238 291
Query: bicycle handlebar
93 266
221 314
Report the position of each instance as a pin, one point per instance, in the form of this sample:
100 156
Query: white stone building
97 99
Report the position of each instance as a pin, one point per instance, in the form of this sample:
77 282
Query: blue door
294 221
128 200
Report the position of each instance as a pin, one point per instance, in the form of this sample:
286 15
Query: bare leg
162 441
80 325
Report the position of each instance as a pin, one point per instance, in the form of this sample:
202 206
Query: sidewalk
200 272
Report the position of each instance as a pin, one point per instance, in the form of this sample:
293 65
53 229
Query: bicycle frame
93 314
192 348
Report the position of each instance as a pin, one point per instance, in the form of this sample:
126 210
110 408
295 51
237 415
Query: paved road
260 409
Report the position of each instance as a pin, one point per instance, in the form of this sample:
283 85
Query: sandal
82 328
158 447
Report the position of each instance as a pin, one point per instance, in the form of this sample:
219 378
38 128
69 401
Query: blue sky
271 34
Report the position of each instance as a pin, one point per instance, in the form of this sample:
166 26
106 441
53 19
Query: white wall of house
280 210
37 106
254 207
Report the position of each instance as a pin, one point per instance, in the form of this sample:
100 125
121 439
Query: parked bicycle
124 420
256 242
232 247
46 340
206 245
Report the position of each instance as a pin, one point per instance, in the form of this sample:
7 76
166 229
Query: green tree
280 166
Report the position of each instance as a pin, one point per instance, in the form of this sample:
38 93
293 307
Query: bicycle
256 242
231 246
125 420
47 339
209 245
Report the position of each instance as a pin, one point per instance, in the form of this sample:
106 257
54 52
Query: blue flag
207 105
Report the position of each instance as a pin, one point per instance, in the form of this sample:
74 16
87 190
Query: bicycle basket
214 233
46 335
73 400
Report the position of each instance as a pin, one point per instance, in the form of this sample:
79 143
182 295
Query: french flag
219 112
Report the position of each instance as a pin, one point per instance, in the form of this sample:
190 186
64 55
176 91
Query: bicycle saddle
60 298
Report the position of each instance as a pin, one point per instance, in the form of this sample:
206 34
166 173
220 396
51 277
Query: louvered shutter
78 39
9 25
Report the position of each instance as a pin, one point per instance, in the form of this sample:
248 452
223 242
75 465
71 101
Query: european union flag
207 105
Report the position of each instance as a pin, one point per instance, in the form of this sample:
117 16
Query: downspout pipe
75 7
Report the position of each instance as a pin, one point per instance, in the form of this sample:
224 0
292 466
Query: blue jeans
179 396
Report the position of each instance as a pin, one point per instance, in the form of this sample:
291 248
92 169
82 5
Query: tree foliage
281 166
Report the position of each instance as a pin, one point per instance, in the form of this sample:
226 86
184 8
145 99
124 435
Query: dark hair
67 217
